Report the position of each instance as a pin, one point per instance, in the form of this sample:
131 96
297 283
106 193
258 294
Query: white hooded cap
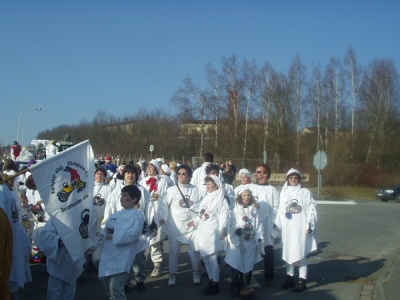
166 169
156 165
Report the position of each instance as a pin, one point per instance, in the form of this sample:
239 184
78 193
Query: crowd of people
141 206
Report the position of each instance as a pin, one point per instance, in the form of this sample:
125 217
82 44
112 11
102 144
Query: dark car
389 194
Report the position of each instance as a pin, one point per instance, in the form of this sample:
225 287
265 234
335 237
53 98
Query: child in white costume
245 239
122 232
297 217
63 271
210 226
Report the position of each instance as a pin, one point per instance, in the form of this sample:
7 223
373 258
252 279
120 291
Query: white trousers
212 266
58 289
302 264
175 249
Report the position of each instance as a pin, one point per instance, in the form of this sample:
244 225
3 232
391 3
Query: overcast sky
71 58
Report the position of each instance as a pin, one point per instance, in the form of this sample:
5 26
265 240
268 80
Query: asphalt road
355 241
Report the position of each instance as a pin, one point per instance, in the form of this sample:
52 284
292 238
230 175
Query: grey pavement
331 275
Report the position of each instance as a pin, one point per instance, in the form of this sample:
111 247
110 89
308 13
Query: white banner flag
65 183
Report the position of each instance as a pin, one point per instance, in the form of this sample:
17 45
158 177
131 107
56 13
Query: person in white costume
200 173
121 242
245 179
63 271
101 192
181 206
147 208
245 239
297 218
51 149
20 270
210 226
213 169
157 186
267 197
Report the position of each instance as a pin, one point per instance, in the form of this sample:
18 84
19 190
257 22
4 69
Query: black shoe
300 286
269 282
211 289
140 286
234 290
289 283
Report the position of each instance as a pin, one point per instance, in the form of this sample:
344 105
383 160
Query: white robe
153 205
20 270
119 252
268 198
243 254
210 222
177 215
103 192
296 243
113 205
58 261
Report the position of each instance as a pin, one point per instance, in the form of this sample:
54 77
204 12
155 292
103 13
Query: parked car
389 194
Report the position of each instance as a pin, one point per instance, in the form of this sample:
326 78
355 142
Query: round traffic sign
151 148
320 160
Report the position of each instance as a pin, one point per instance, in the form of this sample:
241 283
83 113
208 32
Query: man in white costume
121 242
268 198
157 186
297 218
180 205
147 209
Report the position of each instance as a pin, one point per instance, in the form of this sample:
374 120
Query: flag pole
9 177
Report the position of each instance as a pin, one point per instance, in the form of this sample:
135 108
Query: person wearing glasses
296 218
181 205
268 198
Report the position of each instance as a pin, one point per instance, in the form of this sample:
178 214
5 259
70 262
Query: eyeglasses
258 172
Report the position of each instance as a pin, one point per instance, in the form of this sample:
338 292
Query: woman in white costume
180 205
297 217
245 239
210 226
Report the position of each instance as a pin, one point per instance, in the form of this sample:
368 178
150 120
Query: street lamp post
20 116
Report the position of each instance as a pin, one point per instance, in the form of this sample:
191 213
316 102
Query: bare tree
250 87
191 98
378 96
334 99
297 75
233 87
265 100
354 74
214 79
316 95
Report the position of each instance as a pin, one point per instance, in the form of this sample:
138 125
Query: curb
384 276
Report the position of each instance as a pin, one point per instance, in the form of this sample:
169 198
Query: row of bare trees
351 112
